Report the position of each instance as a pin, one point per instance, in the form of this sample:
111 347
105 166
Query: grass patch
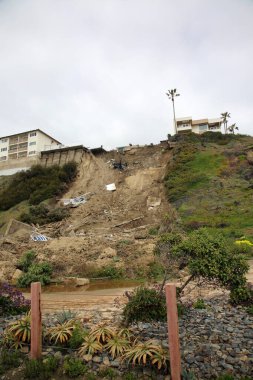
211 186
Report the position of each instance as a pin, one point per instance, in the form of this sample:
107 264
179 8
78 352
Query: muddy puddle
95 285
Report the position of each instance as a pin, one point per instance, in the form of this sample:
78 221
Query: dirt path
95 300
92 300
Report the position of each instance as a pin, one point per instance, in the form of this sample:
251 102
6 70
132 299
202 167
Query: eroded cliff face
112 227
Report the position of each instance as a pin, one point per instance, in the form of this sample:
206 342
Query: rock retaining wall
215 340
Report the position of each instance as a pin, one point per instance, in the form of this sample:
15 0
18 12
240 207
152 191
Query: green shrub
26 261
10 359
170 238
74 367
209 255
130 376
156 270
37 184
250 310
43 214
37 273
108 373
90 376
110 271
145 305
153 231
40 369
199 304
77 337
188 375
226 377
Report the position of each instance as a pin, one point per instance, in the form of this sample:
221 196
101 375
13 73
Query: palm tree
225 116
172 94
232 128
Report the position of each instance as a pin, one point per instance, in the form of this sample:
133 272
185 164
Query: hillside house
20 151
187 124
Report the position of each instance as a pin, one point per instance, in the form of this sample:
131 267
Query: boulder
153 202
16 275
108 253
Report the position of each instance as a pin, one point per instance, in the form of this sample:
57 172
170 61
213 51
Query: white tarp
74 202
110 187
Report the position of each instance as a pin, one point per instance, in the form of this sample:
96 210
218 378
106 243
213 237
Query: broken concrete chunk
16 275
15 225
153 202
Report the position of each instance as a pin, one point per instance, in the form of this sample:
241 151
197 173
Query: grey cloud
96 71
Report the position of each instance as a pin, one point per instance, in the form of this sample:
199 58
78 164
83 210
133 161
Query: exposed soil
112 227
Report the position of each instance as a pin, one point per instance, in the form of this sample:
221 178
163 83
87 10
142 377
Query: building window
13 156
203 127
32 134
3 158
22 154
23 138
32 143
3 149
13 140
32 152
13 147
4 140
22 146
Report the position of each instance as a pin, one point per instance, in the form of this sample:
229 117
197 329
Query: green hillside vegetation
37 184
21 194
210 183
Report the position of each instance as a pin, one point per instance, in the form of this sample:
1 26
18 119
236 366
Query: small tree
225 116
209 256
232 128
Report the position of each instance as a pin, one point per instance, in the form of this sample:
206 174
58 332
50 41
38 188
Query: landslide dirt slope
112 227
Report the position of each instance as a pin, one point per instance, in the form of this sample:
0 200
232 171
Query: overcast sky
95 72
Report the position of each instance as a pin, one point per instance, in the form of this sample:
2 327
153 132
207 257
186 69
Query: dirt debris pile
112 227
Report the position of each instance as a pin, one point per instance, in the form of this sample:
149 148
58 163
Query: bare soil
112 228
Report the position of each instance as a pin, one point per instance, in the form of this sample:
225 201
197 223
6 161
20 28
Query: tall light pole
172 94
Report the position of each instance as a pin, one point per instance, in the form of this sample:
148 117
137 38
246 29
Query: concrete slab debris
15 225
153 202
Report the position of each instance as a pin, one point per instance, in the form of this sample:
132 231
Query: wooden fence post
36 324
173 336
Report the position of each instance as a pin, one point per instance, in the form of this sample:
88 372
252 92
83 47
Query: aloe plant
62 332
21 329
117 345
141 352
90 346
102 334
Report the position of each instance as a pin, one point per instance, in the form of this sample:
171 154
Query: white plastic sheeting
110 187
75 202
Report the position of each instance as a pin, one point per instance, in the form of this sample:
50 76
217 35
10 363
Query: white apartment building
187 124
25 144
